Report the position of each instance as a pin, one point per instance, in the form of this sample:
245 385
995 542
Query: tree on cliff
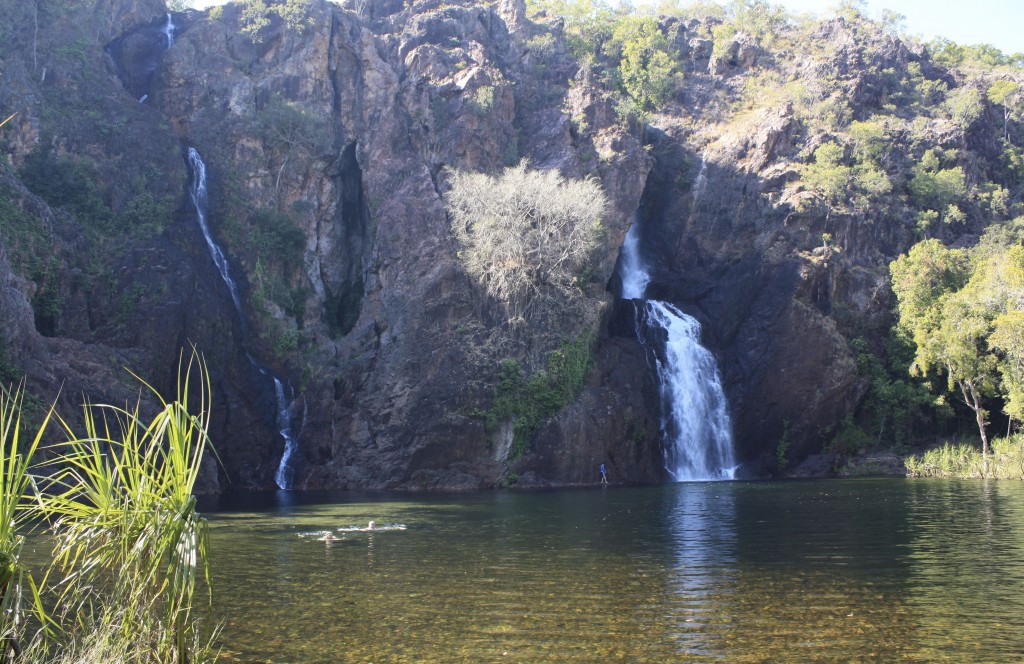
964 311
526 235
291 131
256 15
646 68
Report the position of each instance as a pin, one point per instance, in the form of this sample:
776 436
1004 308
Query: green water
855 570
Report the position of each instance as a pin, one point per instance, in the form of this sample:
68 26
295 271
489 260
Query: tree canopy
964 311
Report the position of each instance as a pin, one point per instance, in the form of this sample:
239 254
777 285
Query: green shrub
146 212
129 546
70 184
276 239
527 401
828 175
482 100
964 105
588 23
646 69
934 187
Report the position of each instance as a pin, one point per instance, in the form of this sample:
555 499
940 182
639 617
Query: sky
996 22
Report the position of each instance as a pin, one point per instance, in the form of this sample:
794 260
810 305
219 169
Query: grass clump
129 547
16 513
963 461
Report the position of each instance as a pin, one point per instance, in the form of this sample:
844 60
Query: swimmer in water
372 525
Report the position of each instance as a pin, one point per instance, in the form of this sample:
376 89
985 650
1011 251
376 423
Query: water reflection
737 572
967 564
701 520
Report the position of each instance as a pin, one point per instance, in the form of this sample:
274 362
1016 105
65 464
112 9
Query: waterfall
631 269
169 30
285 472
694 412
197 189
137 55
701 179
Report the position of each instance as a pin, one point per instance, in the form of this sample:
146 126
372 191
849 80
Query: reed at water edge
129 548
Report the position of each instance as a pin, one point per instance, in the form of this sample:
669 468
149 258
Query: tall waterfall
197 189
694 411
169 30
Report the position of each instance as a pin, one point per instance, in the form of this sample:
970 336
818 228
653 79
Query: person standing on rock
604 475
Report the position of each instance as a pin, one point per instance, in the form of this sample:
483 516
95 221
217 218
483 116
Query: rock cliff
329 142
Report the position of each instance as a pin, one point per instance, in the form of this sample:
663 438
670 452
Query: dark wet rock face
137 55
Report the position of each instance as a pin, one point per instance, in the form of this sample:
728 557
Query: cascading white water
631 269
169 30
701 179
695 413
285 471
198 191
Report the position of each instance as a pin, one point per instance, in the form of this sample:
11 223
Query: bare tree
291 130
527 235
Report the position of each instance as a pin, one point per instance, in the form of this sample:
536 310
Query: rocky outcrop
329 145
393 349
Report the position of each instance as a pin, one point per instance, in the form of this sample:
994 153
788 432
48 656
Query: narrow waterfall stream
169 30
285 472
198 191
694 412
284 476
702 178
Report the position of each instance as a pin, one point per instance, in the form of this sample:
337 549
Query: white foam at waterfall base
695 413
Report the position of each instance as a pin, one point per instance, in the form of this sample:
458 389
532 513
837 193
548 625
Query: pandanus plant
129 544
16 511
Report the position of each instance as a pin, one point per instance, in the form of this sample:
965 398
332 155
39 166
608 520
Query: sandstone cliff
328 146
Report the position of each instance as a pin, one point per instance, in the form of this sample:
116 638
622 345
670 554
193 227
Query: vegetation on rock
527 402
526 235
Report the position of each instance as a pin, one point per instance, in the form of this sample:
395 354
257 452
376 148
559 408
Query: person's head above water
372 525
